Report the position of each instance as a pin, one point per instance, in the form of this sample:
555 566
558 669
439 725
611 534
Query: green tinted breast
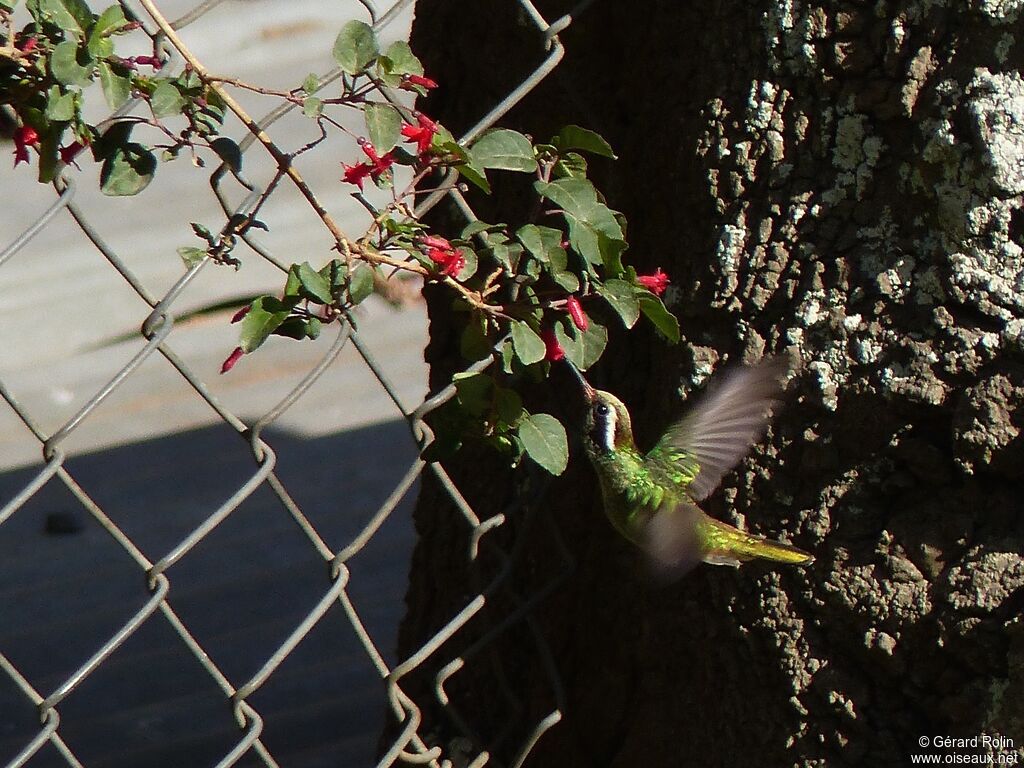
630 488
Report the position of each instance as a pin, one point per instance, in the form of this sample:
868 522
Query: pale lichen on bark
890 182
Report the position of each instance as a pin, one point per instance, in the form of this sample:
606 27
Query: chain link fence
155 617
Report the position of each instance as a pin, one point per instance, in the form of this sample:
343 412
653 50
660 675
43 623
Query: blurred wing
723 425
670 541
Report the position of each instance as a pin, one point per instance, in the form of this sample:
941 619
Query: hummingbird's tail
731 546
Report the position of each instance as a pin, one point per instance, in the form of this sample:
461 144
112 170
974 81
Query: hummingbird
652 498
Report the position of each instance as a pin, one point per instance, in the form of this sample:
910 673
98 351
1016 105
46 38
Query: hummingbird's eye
603 409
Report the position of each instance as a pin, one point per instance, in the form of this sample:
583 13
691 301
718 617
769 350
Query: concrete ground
159 460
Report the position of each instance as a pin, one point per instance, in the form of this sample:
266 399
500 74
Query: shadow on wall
66 587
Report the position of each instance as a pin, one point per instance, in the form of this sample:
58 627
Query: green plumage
652 499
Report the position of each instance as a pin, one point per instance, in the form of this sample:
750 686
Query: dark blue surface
241 592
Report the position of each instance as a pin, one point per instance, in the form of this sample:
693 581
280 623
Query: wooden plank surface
158 460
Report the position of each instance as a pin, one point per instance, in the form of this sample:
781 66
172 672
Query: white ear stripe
609 429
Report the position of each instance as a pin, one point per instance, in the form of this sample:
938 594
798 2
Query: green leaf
73 16
475 391
559 261
543 438
312 107
335 271
127 170
292 285
528 345
471 264
355 48
117 134
311 84
65 66
315 286
571 164
475 176
211 117
361 284
504 149
475 228
499 251
474 344
574 137
80 11
264 316
611 254
540 241
203 232
112 18
60 107
116 89
508 355
100 47
49 146
166 100
579 197
402 61
383 126
508 405
228 151
655 311
299 328
583 348
588 218
191 255
584 239
622 298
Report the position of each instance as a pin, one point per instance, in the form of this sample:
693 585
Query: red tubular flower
149 61
433 241
575 309
423 137
656 283
369 150
379 164
552 349
234 357
450 262
420 80
425 122
24 137
354 174
241 313
70 152
454 265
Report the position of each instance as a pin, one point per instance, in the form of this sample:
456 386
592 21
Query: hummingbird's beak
588 390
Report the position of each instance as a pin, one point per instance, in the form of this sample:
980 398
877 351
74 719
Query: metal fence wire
48 742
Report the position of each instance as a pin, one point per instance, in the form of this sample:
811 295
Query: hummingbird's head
607 426
607 421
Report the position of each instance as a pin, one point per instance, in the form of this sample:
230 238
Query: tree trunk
841 183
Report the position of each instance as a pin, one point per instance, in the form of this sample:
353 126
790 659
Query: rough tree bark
842 182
